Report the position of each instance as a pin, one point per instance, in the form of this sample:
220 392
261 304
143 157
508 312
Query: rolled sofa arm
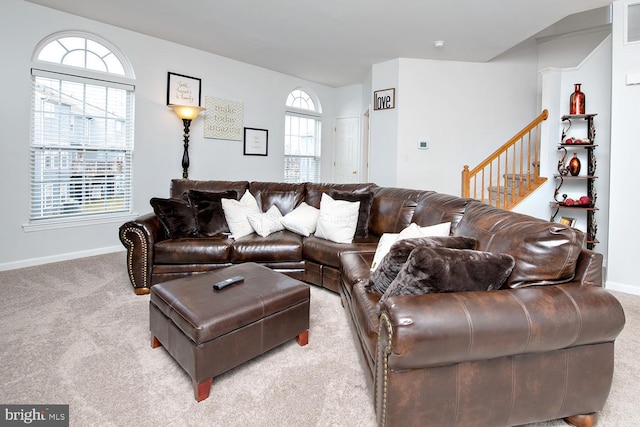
441 329
139 236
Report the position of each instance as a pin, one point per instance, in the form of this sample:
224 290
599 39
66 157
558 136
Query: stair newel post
466 182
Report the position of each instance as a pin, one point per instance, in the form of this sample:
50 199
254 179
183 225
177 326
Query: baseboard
59 257
622 287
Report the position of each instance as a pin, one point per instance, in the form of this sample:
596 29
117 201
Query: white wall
624 199
383 149
594 72
465 111
158 134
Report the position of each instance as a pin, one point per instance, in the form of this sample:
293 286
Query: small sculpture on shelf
574 165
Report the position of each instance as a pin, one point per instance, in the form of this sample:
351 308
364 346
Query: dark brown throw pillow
176 215
366 200
207 207
393 261
436 270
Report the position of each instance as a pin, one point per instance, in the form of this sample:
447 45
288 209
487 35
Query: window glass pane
82 136
94 62
633 23
83 53
52 52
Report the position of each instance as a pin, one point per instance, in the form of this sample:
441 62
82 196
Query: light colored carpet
75 333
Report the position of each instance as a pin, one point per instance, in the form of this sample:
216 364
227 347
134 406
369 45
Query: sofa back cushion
179 186
435 208
392 209
315 190
285 196
545 252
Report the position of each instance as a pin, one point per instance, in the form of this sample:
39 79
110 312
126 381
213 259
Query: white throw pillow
337 220
236 213
267 222
302 220
412 230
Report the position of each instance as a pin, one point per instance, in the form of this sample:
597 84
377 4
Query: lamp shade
186 112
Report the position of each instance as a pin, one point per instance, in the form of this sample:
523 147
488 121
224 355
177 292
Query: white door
348 150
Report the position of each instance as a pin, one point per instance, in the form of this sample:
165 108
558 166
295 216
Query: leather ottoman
210 331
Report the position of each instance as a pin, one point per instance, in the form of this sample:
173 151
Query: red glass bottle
577 100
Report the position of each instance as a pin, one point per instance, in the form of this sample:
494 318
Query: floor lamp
186 113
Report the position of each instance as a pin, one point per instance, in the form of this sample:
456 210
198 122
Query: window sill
76 222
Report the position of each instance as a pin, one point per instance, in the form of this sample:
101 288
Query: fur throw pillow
393 261
436 270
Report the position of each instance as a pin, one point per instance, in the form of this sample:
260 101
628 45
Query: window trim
81 75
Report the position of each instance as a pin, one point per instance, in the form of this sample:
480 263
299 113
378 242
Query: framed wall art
565 220
183 90
256 142
384 99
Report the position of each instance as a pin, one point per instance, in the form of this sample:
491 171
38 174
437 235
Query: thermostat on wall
423 145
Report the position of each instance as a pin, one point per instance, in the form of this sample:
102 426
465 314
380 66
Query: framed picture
565 220
256 142
384 99
183 90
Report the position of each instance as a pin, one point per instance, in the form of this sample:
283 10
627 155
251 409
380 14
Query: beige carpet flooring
75 333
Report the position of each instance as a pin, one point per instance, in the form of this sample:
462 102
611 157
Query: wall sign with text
384 99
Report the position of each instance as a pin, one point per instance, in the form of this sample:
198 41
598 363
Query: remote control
230 281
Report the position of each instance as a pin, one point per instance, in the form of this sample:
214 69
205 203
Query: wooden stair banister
512 171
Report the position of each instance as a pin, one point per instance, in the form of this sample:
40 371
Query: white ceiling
334 42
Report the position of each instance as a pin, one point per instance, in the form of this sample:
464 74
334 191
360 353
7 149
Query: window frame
312 114
84 77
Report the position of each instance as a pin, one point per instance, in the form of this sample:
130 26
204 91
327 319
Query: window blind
81 146
302 148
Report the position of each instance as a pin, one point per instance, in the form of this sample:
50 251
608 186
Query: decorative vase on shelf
577 100
574 165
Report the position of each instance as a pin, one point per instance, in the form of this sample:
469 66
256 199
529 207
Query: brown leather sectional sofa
540 348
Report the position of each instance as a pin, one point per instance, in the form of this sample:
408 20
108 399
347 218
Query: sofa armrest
589 268
422 331
355 267
139 237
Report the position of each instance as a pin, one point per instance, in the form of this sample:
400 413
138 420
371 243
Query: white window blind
81 146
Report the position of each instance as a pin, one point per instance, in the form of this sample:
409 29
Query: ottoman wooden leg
154 342
201 390
303 338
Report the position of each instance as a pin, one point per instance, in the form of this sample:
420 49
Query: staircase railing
510 173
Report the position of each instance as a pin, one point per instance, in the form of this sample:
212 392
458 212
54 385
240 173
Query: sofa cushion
413 230
302 220
438 269
286 196
236 213
267 222
193 250
281 246
326 252
207 206
545 252
394 261
392 209
338 219
314 191
436 208
179 186
366 200
176 216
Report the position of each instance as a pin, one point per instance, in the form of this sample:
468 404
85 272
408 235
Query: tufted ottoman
209 332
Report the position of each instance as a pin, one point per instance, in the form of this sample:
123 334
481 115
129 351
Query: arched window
302 138
82 129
